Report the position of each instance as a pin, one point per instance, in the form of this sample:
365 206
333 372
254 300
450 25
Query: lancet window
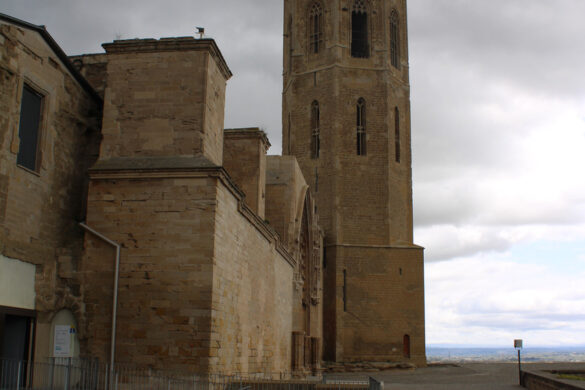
361 127
394 40
359 30
315 130
315 27
397 134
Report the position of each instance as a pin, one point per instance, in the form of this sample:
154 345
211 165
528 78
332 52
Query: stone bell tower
346 118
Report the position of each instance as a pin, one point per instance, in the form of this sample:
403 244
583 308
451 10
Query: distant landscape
445 354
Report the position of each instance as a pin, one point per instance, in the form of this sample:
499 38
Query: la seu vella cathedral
132 218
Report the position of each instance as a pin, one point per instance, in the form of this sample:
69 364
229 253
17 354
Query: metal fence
76 374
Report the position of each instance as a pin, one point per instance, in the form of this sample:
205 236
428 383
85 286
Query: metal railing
82 374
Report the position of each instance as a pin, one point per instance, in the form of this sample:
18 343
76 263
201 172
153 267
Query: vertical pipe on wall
115 292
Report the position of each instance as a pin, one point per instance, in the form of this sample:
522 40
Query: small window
315 27
359 30
394 40
29 130
397 134
361 127
315 131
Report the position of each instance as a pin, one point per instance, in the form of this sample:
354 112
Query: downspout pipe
116 277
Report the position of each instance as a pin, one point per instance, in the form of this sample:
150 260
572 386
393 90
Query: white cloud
491 300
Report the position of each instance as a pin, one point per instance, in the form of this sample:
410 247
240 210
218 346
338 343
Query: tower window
315 132
361 127
359 30
29 130
397 134
315 27
394 40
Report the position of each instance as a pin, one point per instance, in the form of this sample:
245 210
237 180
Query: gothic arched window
359 30
397 134
315 27
315 131
361 127
394 40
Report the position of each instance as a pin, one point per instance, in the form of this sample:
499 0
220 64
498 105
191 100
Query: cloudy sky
498 124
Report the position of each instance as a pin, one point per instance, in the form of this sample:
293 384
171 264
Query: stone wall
39 209
164 98
244 158
202 284
366 329
545 380
252 293
165 227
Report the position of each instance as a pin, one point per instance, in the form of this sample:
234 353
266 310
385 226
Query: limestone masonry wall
39 208
252 296
165 227
245 161
164 98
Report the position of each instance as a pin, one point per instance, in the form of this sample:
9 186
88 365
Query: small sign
62 341
518 344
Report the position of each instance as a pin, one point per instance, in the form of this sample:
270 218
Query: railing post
18 375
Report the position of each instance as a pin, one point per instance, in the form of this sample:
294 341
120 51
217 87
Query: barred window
359 30
315 131
315 27
361 127
394 40
397 134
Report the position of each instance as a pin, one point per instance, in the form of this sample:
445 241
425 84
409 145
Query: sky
498 140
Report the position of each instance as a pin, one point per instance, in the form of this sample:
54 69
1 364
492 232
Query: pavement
471 376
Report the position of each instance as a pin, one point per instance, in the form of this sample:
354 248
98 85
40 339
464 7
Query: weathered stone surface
373 286
39 209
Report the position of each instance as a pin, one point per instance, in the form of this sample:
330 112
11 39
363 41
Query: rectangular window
29 130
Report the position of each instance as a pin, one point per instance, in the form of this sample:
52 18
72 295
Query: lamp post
518 346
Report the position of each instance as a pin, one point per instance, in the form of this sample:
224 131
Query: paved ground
476 376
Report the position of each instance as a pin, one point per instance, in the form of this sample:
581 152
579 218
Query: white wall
17 284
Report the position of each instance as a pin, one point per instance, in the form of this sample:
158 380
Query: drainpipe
115 300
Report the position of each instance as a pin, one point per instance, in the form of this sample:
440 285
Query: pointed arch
394 39
315 27
361 126
315 130
360 47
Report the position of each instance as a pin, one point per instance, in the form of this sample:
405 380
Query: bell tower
346 118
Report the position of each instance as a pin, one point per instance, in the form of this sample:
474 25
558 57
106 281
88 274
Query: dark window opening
361 127
315 131
394 40
316 179
359 30
29 130
397 134
316 27
344 290
16 344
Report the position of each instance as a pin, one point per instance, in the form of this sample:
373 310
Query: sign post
518 346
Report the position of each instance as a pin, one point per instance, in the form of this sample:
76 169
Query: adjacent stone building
135 229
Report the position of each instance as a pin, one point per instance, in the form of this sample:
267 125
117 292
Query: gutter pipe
115 299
